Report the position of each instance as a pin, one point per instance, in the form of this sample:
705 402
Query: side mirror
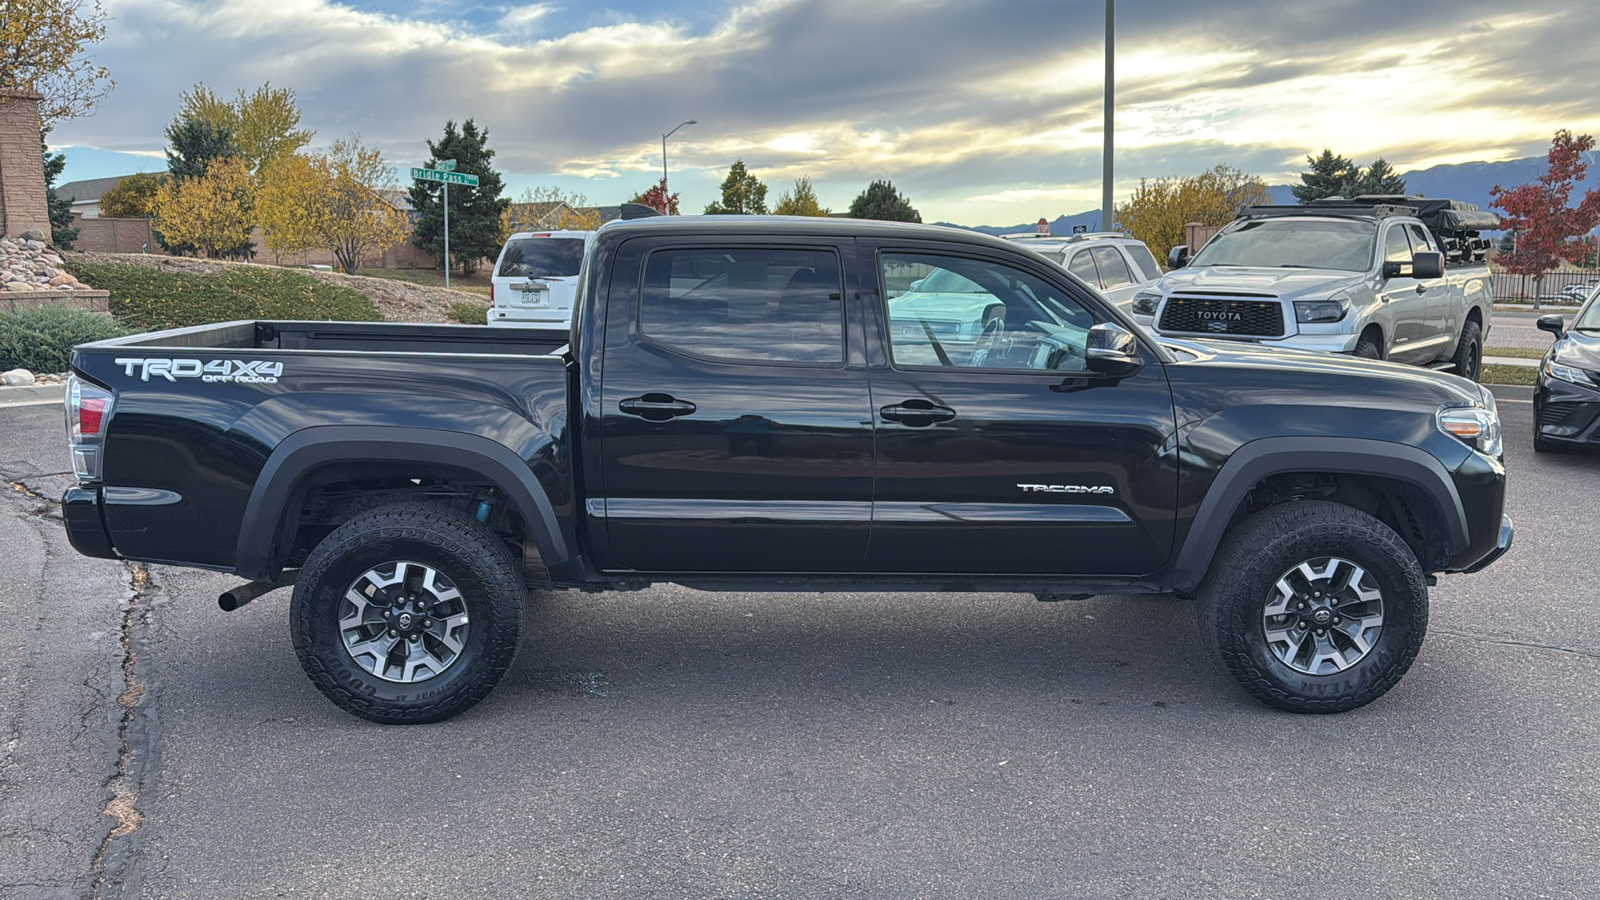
1178 257
1112 350
1391 270
915 285
1427 264
1556 325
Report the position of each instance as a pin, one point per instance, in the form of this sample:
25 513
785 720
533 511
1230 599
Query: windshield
1588 318
1297 243
542 258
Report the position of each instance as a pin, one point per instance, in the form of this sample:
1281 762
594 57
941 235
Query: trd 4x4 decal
226 371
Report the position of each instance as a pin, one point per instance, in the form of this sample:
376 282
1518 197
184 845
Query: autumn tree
550 208
1161 207
287 204
1332 175
44 47
802 201
132 198
212 212
881 201
743 194
474 211
340 200
264 125
657 198
1548 229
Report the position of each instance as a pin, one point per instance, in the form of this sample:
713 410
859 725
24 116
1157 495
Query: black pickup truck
757 403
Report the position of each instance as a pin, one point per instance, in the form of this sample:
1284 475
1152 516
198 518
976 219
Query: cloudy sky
980 112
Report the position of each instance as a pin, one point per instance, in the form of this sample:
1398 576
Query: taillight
88 412
491 293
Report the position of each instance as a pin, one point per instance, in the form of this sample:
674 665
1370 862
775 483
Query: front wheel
407 614
1314 607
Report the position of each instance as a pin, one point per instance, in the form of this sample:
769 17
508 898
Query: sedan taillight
88 413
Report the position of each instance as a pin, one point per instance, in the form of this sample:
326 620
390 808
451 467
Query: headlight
1567 373
1145 302
1330 310
1477 428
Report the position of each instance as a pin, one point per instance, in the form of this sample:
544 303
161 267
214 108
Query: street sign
446 165
446 177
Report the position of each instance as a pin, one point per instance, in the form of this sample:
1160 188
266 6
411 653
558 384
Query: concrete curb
1511 361
31 395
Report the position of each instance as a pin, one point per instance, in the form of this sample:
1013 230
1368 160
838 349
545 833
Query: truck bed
371 337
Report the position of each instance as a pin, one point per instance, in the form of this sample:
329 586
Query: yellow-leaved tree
1160 207
801 202
264 125
213 212
44 47
342 200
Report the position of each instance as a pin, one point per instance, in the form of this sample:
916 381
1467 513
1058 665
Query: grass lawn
1514 352
469 284
1500 374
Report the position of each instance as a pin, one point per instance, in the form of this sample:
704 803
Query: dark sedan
1566 403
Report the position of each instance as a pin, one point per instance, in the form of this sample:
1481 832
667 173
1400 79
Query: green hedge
146 298
41 340
468 313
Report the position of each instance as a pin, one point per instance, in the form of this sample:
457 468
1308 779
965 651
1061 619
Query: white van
536 278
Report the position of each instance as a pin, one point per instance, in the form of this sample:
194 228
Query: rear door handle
656 407
917 413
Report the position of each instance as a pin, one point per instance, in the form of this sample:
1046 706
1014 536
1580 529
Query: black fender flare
319 445
1265 457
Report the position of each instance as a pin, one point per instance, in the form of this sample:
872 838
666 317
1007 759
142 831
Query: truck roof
797 225
1437 213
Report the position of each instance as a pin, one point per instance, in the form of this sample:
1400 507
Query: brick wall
115 236
22 201
1196 236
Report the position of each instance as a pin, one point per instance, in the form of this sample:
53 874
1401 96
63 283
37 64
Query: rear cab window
744 304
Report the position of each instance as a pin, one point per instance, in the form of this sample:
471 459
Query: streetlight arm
664 155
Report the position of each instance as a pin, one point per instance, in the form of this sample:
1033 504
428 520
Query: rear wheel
1469 351
407 614
1314 607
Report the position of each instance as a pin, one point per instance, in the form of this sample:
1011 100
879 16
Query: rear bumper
86 530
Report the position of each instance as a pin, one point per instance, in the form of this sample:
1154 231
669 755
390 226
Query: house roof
89 190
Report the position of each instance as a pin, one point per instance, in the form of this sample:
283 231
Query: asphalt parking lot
670 743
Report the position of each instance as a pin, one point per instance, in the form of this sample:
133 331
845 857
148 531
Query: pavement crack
135 741
1484 638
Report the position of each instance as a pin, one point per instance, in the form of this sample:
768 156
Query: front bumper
1501 545
86 530
1480 483
1566 412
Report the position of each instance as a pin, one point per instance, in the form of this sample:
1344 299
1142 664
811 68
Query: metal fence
1557 288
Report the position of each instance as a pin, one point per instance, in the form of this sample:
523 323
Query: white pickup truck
1390 277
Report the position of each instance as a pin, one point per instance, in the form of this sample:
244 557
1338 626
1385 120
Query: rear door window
1082 266
745 304
541 258
1113 270
1144 260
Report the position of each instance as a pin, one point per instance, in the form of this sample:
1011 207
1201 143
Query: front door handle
1422 289
656 407
917 413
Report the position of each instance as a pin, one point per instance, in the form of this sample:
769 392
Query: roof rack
1437 213
1025 236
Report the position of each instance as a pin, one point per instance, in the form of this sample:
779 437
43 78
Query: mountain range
1461 181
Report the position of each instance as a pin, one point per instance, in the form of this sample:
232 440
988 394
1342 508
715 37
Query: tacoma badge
1069 488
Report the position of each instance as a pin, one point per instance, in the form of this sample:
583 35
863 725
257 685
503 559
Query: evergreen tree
1330 176
1379 178
474 211
881 201
62 234
193 143
743 194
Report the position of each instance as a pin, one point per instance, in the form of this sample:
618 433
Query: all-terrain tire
1263 552
1367 348
1469 352
460 559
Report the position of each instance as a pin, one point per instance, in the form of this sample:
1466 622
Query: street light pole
1107 212
664 158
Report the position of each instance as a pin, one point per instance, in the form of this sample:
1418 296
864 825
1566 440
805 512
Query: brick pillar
22 202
